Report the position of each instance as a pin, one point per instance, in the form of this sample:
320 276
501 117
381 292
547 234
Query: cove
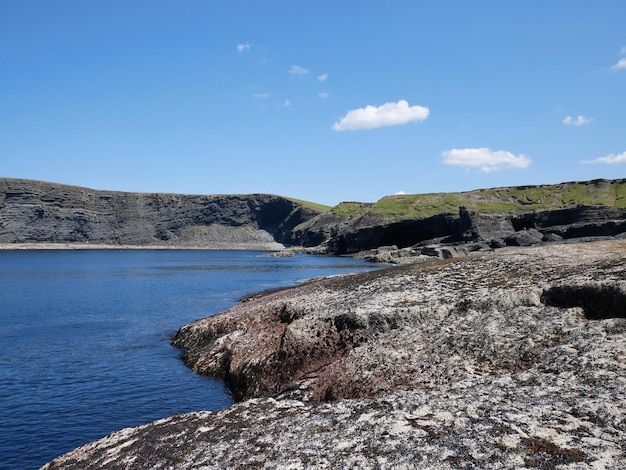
85 337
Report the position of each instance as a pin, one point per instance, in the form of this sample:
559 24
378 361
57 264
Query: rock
496 243
38 212
473 424
552 237
315 347
510 359
33 212
445 252
286 253
526 237
429 250
479 226
391 254
386 249
454 251
494 218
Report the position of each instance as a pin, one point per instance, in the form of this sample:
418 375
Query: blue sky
326 101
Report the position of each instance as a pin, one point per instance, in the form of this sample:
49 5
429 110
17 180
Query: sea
85 337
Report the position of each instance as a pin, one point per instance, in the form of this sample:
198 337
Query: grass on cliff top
312 205
610 193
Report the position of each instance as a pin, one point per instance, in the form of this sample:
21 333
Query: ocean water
85 337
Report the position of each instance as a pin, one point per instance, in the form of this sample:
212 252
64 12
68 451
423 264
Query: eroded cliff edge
36 213
503 360
475 220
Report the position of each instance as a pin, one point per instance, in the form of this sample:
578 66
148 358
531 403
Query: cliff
33 212
486 218
36 212
512 359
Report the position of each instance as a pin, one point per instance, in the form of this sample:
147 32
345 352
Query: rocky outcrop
512 359
294 343
38 212
483 219
348 235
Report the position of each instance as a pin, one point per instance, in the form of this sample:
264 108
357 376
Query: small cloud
485 159
296 70
261 96
323 95
400 193
322 78
287 103
243 47
389 114
620 65
609 159
579 121
622 51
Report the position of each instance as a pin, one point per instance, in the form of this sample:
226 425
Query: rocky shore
512 359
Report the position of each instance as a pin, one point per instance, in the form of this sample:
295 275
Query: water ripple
84 338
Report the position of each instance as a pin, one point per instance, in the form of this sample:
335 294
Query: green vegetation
312 205
351 209
610 193
620 195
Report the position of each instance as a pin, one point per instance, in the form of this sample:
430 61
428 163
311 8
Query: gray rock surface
513 359
38 212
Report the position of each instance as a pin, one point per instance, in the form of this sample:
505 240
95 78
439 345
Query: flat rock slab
508 360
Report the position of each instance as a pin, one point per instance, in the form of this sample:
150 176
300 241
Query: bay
85 337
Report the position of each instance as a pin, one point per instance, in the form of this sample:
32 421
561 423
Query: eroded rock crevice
597 300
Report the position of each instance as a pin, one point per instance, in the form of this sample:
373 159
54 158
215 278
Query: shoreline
104 246
507 359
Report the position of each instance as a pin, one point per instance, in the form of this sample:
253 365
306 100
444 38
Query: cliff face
493 218
39 212
512 359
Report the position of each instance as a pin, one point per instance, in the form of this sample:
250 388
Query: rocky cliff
36 213
512 359
486 218
39 212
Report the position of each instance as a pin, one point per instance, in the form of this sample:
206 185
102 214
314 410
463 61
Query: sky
325 101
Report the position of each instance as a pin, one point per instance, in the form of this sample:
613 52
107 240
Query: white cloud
261 96
610 159
296 70
620 65
389 114
323 95
243 47
579 121
400 193
622 50
485 159
322 78
287 103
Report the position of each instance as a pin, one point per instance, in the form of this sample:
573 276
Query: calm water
84 337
